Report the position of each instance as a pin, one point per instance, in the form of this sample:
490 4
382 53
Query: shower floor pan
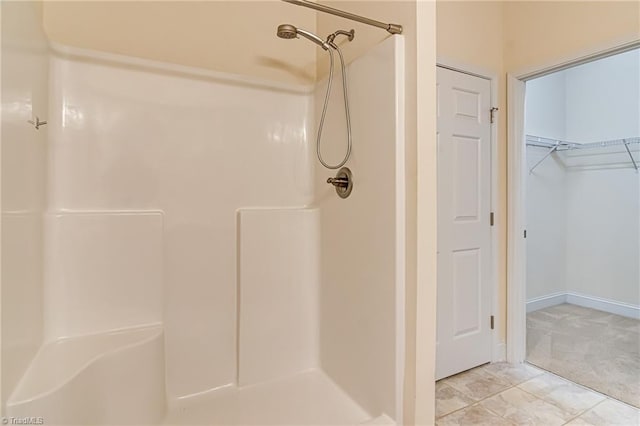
107 378
307 398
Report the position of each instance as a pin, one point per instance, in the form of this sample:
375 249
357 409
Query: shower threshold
306 398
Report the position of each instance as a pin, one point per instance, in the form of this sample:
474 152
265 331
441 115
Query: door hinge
493 112
525 233
492 322
491 218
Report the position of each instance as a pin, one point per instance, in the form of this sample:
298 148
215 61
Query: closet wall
603 204
546 243
584 206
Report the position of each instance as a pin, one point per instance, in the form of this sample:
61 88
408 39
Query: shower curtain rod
392 28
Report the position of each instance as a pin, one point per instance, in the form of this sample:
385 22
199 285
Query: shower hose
326 103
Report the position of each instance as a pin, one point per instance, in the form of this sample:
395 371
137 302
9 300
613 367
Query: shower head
288 31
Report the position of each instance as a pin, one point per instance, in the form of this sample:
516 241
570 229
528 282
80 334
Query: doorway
575 223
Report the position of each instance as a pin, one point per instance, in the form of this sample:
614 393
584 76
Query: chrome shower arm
350 35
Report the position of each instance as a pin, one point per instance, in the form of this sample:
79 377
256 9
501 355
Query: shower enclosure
172 252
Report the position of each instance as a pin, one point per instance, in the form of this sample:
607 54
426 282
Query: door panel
464 236
466 292
465 168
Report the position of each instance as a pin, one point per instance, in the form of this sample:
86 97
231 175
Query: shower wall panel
103 271
24 96
279 254
362 245
129 134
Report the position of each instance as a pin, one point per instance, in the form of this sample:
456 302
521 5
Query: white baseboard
593 302
546 301
606 305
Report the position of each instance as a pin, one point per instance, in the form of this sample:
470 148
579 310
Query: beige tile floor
596 349
504 394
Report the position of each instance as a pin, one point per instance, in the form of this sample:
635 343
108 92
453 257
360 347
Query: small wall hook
37 123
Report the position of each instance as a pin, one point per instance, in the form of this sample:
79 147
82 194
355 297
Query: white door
464 332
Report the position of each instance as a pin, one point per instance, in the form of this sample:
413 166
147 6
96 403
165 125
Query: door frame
516 187
498 348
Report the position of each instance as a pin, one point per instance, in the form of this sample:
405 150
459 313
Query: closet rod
556 145
543 142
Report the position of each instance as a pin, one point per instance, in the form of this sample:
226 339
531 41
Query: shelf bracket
626 145
551 151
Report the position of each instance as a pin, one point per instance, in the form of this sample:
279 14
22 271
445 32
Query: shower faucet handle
343 182
338 182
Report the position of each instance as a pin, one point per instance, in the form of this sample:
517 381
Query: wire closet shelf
556 145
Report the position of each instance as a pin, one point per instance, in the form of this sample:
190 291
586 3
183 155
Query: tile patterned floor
504 394
596 349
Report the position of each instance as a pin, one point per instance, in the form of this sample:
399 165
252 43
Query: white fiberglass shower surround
172 252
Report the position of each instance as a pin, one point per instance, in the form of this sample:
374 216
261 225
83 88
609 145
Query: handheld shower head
288 31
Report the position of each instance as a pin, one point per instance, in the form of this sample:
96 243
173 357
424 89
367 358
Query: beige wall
539 34
229 36
470 34
424 207
517 37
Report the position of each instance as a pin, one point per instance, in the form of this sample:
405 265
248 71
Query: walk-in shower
137 288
